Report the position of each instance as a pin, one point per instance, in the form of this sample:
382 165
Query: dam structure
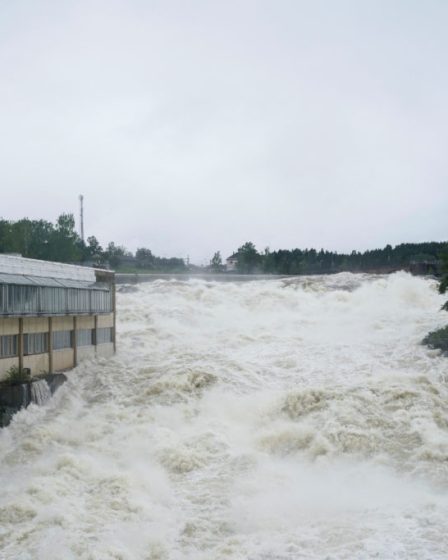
53 315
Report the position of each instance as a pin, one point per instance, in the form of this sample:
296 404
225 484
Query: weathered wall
35 325
62 323
105 350
9 326
5 364
105 321
63 359
38 363
86 322
85 352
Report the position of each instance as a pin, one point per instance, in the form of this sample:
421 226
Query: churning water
266 420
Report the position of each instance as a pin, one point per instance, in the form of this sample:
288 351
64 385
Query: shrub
437 339
15 375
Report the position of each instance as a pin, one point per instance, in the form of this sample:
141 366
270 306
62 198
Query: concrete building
53 315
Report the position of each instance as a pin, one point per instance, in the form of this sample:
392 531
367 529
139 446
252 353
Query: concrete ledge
135 278
38 391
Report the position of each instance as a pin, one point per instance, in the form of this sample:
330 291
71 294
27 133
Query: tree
248 258
93 251
64 243
115 253
216 262
144 258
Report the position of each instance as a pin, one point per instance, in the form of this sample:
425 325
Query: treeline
40 239
310 261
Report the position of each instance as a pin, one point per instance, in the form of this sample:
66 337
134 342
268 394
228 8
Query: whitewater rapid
269 420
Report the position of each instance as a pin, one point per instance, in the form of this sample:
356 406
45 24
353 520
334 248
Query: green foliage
437 339
39 239
443 286
249 260
115 254
144 258
93 251
15 376
310 261
216 262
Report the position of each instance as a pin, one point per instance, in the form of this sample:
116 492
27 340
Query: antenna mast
81 215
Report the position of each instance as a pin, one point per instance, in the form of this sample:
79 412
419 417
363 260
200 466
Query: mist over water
276 419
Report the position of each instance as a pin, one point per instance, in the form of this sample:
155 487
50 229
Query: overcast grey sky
194 126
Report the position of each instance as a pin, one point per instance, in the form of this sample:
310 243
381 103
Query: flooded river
268 420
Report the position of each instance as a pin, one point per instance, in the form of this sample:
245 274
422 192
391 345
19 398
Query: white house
232 262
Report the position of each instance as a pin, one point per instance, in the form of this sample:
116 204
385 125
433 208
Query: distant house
232 262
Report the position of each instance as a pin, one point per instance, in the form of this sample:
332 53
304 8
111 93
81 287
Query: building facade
232 263
53 315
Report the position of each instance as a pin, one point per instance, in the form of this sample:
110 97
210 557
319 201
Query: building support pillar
50 344
114 311
95 332
20 344
75 341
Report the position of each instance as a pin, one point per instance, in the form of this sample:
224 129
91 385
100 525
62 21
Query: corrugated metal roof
11 264
25 280
14 279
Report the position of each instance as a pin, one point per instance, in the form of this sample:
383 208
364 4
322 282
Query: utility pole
81 215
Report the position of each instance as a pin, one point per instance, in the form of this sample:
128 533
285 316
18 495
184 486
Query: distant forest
420 257
40 239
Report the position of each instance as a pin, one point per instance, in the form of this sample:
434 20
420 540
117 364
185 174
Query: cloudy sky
194 126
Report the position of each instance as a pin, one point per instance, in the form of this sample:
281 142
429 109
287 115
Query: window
22 300
8 346
101 301
104 335
35 343
84 337
78 300
62 339
53 300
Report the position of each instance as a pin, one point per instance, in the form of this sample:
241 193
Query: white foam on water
40 392
276 419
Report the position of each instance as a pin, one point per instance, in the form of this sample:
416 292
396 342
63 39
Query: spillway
278 419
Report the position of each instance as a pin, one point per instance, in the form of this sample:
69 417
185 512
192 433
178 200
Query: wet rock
438 339
15 397
127 289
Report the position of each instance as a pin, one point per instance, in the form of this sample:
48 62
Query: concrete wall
62 323
105 350
105 321
85 352
86 322
38 363
5 364
9 326
63 359
35 325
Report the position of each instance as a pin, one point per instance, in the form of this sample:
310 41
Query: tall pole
81 213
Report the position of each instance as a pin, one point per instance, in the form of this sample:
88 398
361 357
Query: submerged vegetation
16 376
439 339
